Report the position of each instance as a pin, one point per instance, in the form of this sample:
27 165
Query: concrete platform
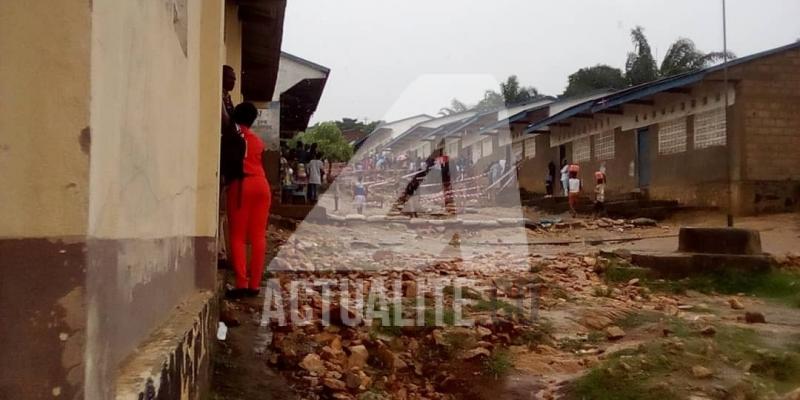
681 265
708 250
719 241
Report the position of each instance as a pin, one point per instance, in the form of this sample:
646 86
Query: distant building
675 138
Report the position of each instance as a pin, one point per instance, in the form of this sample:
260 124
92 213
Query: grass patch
635 320
466 292
655 369
539 333
496 305
782 286
498 364
448 317
603 384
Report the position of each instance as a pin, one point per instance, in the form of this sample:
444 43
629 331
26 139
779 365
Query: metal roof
650 88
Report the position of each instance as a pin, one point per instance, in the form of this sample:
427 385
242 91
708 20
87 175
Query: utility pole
725 108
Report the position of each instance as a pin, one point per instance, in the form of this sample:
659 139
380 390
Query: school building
677 138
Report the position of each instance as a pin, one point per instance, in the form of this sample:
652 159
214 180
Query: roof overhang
262 34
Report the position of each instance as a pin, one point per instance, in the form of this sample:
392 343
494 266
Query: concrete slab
719 241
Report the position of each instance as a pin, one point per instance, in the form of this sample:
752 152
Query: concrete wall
44 156
44 118
108 221
148 244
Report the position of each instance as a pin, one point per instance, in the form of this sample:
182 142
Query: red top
252 155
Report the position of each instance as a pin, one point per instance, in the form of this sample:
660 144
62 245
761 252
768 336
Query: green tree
353 123
683 57
511 92
456 107
588 79
640 66
514 93
329 140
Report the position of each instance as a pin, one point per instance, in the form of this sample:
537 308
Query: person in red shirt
249 201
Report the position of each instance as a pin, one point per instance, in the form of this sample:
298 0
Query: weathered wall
233 46
44 145
149 240
769 94
44 118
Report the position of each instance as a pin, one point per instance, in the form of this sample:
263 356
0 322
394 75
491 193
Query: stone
708 331
410 289
644 222
313 363
754 317
793 395
701 372
358 357
735 304
357 380
590 261
483 332
476 352
633 282
614 333
334 384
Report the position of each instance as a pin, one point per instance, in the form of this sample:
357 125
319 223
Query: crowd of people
303 170
572 186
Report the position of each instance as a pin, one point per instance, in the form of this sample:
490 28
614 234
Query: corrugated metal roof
650 88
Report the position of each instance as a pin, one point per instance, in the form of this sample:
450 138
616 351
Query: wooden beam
561 124
583 115
679 90
642 102
614 111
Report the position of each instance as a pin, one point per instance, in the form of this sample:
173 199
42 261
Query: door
643 157
562 154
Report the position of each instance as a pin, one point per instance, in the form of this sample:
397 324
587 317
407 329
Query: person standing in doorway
227 126
315 171
249 201
565 177
549 178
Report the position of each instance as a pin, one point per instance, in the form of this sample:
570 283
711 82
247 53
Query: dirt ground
560 314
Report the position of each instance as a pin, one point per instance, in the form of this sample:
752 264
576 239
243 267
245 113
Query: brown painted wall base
173 364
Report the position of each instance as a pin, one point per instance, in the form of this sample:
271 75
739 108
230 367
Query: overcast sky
392 59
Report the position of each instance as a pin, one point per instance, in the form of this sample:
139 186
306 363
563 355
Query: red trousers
249 201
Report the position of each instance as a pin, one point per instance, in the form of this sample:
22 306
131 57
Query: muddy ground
559 313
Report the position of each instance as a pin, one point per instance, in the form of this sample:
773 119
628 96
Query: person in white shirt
565 177
315 170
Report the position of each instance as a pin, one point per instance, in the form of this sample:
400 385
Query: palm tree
641 66
456 106
682 56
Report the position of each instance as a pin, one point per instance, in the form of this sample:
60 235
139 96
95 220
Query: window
709 129
581 150
672 136
487 146
516 149
530 148
604 146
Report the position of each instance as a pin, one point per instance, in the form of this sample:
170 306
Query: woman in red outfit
249 201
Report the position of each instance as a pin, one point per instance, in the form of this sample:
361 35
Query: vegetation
641 67
511 92
589 79
329 140
660 368
498 364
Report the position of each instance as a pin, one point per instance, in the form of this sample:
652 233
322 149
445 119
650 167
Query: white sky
394 58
